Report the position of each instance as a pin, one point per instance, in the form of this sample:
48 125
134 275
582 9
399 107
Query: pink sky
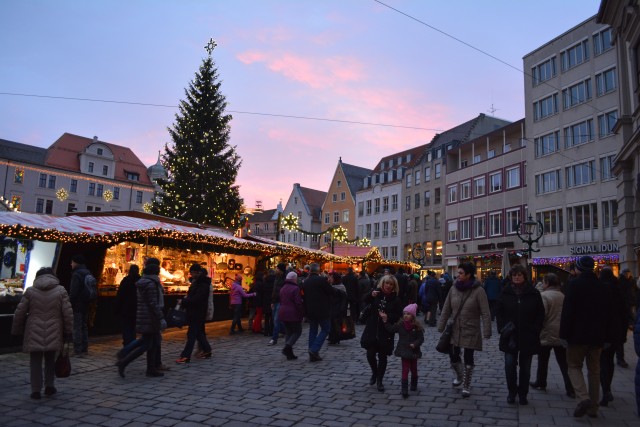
356 61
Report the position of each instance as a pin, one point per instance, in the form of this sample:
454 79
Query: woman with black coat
127 304
375 338
520 315
196 303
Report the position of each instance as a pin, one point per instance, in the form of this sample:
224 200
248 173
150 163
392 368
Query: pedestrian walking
127 304
80 302
410 338
338 311
196 303
291 313
45 317
278 280
492 287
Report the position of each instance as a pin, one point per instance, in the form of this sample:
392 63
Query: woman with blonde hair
375 338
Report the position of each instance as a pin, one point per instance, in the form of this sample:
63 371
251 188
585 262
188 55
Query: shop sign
594 249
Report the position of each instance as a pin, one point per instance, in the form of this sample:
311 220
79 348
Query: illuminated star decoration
107 195
210 46
364 242
62 194
290 222
340 233
147 207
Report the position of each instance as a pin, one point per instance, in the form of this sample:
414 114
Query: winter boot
414 383
405 388
466 381
458 369
379 378
131 356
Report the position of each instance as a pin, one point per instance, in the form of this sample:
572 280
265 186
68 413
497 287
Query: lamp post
529 232
418 253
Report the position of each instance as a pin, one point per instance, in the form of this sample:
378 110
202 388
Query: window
464 164
256 229
368 207
92 189
548 182
73 188
513 177
116 193
583 217
479 186
384 252
575 55
578 133
427 174
416 201
580 174
385 229
334 197
376 230
452 231
606 82
394 227
465 229
495 224
477 158
138 196
132 176
427 198
452 194
394 202
606 164
551 221
336 217
546 144
479 226
602 41
91 166
544 71
99 151
606 122
327 217
576 94
376 206
465 190
416 224
339 183
438 170
39 205
43 181
436 220
491 154
100 190
394 252
16 201
343 196
71 207
436 196
407 203
408 225
385 204
345 215
52 181
89 208
426 222
439 153
513 218
105 170
18 176
417 177
545 107
360 209
408 180
295 237
495 182
609 214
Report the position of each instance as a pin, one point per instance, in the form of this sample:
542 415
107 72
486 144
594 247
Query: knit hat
586 263
292 276
282 267
411 308
195 267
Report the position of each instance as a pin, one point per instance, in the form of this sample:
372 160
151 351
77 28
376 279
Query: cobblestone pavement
247 382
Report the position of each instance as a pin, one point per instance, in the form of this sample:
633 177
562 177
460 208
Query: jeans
576 355
196 333
543 366
518 383
277 324
80 332
293 330
237 317
35 365
128 330
316 339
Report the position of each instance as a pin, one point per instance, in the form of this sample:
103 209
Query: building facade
75 174
306 204
571 108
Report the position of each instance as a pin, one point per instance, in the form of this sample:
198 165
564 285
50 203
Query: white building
306 204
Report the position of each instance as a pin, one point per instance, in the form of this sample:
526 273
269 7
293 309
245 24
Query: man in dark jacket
350 282
492 288
585 326
280 274
80 302
196 303
317 293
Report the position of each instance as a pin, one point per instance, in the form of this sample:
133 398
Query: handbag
365 313
347 329
508 337
176 317
63 363
444 343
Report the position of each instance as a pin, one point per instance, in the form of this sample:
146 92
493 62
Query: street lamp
529 232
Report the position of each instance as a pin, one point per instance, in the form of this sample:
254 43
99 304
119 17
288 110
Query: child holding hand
410 338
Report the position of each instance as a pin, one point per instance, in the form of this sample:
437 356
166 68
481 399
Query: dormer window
99 151
91 167
105 170
131 176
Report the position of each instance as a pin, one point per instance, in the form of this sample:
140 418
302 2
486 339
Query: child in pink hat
410 338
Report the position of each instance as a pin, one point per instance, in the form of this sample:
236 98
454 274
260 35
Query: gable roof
64 154
415 153
264 216
22 152
355 176
474 128
313 200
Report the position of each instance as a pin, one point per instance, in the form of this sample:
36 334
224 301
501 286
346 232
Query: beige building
624 17
572 105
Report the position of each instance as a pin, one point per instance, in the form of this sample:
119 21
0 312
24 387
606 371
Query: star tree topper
210 46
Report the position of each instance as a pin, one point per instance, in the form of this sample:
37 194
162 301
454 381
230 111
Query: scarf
408 324
462 285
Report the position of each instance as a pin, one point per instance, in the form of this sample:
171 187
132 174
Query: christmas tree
201 165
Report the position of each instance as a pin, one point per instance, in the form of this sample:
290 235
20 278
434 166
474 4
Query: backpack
90 287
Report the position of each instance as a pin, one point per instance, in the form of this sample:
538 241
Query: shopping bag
63 363
348 329
176 317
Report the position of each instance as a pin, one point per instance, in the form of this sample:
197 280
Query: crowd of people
584 321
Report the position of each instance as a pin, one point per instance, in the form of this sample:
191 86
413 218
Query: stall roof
292 250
